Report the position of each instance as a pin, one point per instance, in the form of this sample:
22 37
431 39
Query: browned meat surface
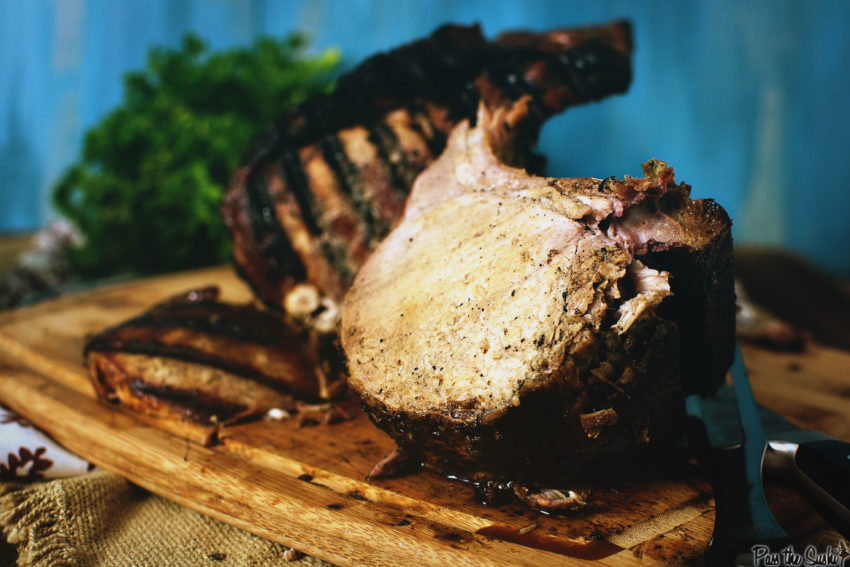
511 323
176 389
196 358
318 191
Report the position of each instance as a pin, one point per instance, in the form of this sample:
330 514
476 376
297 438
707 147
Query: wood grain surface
305 486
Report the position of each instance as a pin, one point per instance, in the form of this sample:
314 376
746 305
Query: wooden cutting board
305 486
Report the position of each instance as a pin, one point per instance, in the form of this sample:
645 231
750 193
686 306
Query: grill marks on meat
195 358
511 323
266 255
318 191
178 390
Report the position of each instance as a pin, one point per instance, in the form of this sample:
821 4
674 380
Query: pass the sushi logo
810 556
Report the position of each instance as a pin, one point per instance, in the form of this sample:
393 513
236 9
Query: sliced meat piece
173 388
195 358
318 191
512 323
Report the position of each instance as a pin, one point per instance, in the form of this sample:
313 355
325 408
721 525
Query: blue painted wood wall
747 100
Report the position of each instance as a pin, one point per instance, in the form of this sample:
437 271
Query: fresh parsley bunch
147 189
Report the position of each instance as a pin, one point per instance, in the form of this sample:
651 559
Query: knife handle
743 518
821 472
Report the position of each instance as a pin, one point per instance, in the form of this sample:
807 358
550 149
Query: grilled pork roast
317 192
314 195
196 359
511 323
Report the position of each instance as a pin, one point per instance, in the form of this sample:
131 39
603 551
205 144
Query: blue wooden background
747 100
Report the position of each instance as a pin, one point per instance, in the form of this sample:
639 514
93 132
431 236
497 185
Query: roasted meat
511 323
317 192
198 359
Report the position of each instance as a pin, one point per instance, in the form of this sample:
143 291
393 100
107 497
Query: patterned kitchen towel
28 454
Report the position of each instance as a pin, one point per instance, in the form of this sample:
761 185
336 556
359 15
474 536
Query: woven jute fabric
102 520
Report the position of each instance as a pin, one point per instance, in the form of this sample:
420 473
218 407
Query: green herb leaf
147 189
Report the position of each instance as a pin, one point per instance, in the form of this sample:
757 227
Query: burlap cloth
100 519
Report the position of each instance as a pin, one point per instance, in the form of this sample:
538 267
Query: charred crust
239 322
113 383
153 347
298 184
272 243
348 179
400 171
246 254
198 406
703 300
194 327
558 70
422 123
546 431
